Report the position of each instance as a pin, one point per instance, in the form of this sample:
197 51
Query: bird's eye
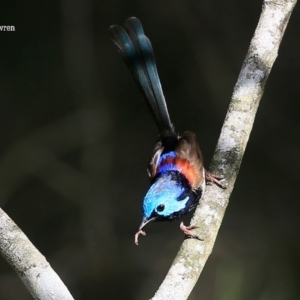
160 207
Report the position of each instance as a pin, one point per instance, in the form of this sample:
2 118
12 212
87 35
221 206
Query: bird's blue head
169 197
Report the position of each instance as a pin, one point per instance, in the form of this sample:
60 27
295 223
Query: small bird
176 170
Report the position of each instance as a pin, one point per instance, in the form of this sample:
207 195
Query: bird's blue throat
169 197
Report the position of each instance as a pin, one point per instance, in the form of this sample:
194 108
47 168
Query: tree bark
262 52
31 266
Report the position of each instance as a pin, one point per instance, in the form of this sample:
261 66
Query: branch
31 266
230 149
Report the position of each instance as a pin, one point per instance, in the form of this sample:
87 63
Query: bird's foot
136 237
216 179
187 231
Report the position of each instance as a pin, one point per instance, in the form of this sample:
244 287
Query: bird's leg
216 179
187 231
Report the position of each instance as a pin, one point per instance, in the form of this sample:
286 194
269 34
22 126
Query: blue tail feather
138 54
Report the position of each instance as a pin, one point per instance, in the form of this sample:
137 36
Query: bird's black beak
145 221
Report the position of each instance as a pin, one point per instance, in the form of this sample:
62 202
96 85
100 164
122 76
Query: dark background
76 137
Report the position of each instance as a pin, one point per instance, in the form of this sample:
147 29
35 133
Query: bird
176 171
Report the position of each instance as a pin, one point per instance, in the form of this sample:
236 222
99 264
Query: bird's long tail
137 51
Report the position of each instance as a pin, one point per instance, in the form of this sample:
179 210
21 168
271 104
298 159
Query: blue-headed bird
176 170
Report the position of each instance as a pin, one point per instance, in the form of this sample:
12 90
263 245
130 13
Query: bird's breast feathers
171 161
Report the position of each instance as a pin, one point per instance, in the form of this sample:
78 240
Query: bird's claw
187 231
136 237
216 179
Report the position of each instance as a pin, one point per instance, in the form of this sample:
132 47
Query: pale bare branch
230 149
